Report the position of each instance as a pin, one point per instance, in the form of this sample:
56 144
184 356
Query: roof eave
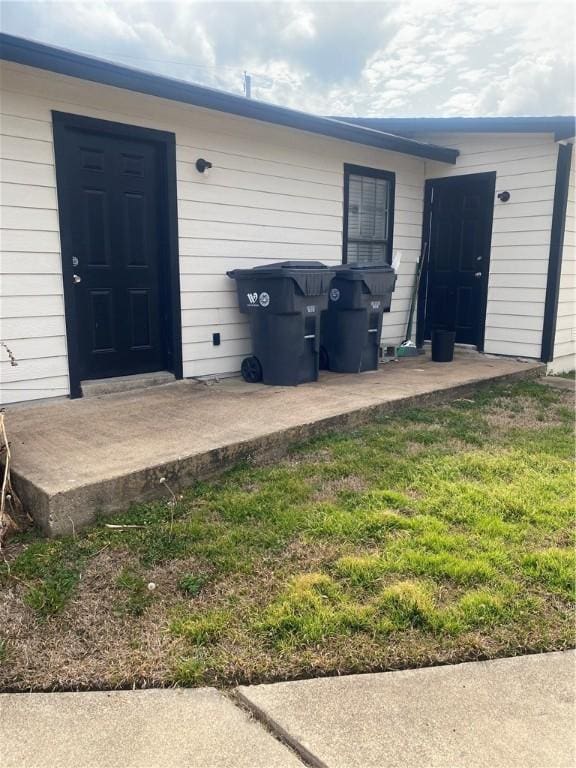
64 62
561 126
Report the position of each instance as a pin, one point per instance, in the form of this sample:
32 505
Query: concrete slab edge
34 500
309 758
69 511
557 382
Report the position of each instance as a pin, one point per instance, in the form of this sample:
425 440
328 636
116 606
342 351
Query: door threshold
116 384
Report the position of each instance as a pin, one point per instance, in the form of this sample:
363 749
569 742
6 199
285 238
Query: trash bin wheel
323 362
251 370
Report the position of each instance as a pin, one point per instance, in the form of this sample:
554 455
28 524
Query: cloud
410 58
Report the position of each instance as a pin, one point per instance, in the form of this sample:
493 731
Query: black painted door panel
459 232
113 186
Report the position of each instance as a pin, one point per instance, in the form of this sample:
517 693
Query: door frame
489 178
166 143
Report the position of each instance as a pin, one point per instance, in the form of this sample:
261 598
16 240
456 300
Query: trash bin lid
312 277
379 279
362 271
278 268
358 266
277 265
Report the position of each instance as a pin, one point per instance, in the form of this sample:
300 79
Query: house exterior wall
565 339
274 193
525 165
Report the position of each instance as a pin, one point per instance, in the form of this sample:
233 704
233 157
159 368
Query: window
368 215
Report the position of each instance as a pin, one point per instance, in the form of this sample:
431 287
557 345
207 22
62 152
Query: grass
137 594
438 534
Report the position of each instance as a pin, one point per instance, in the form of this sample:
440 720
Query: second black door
458 225
111 206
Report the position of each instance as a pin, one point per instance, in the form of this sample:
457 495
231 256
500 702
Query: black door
459 226
113 224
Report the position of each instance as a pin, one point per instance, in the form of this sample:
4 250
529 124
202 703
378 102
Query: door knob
477 274
76 278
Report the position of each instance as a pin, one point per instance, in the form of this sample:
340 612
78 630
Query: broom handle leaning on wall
415 291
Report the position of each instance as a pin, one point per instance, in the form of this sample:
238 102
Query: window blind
369 208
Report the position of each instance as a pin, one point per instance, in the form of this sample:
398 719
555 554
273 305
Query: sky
390 59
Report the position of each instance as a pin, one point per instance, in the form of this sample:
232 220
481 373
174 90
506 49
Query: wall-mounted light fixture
203 165
504 196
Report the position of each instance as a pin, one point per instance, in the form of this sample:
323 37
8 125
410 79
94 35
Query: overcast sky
409 58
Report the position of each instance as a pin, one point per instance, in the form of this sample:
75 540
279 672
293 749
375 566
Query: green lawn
435 535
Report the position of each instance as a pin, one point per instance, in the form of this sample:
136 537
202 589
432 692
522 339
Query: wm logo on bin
252 298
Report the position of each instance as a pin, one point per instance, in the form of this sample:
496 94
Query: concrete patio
74 459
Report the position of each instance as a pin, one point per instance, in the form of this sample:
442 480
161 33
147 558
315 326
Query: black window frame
360 170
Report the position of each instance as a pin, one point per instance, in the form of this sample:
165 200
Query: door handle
477 274
76 279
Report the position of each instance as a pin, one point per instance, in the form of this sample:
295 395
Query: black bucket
443 346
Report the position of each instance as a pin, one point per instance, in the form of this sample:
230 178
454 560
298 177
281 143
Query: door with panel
113 245
459 224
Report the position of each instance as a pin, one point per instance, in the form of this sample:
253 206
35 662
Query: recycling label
255 299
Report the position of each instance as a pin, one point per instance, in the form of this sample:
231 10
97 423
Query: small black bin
283 302
352 325
443 346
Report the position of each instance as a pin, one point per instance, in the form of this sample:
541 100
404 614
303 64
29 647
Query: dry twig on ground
13 517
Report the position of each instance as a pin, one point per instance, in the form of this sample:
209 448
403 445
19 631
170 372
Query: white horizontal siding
31 300
565 340
525 165
273 194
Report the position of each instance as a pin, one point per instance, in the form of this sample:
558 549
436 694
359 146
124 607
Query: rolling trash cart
284 302
352 325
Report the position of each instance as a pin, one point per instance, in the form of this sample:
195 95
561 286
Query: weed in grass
405 605
554 569
354 525
480 608
51 571
565 414
52 594
312 609
191 584
189 671
425 436
200 628
138 596
442 565
170 542
360 570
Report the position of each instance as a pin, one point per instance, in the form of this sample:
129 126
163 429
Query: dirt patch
520 413
328 489
93 641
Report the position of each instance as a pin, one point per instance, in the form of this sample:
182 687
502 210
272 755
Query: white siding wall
274 193
525 165
565 342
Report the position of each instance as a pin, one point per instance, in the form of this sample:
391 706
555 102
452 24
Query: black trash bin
443 345
352 325
284 302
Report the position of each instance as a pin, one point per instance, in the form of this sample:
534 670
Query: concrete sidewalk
509 713
496 714
172 728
